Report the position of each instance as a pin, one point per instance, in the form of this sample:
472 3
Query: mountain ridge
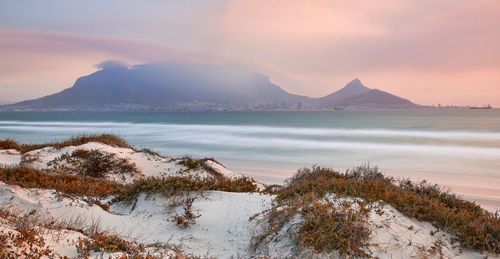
188 86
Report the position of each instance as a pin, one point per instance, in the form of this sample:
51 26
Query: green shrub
189 162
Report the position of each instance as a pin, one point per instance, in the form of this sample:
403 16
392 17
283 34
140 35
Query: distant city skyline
431 52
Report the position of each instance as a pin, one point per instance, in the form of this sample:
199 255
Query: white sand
223 228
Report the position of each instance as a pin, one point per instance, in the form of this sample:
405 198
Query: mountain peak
355 83
355 80
353 88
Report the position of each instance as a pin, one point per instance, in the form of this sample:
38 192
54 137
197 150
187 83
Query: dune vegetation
332 226
329 209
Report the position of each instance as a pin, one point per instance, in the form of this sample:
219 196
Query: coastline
148 202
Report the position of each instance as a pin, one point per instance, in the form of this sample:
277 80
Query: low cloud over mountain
192 86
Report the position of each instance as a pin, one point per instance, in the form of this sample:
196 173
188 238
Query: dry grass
188 218
193 164
470 225
86 186
177 185
66 184
107 139
93 163
101 242
327 227
25 240
324 226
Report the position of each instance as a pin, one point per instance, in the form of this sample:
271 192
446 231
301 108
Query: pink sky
427 51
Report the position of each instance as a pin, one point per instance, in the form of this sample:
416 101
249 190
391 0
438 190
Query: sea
458 149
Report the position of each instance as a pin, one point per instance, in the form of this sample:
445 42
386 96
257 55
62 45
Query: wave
244 129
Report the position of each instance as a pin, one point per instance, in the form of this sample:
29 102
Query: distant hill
356 95
188 86
352 89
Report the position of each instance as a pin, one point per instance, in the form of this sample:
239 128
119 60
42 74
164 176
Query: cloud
315 47
112 64
308 47
37 63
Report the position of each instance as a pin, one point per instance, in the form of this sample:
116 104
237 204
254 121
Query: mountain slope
353 88
190 86
376 98
167 85
356 95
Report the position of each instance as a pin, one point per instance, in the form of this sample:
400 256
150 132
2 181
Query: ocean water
456 148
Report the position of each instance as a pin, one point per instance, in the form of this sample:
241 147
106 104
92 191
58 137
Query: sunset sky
428 51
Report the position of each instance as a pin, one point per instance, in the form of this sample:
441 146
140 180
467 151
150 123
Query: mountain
353 88
356 95
190 86
167 85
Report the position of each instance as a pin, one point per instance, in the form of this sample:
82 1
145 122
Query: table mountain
190 86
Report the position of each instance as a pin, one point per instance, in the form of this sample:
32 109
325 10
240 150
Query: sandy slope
223 228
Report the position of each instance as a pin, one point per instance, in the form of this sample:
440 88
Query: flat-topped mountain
167 86
189 86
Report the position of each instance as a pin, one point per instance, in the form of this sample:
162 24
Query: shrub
184 221
189 162
177 185
26 240
66 184
107 139
100 242
193 164
94 163
473 227
9 144
327 227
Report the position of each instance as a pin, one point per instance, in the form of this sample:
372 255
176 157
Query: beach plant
107 139
64 184
93 163
172 186
25 239
470 226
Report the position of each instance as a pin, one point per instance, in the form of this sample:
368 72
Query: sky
428 51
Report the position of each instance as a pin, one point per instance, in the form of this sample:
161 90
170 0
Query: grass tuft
177 185
66 184
107 139
471 226
93 163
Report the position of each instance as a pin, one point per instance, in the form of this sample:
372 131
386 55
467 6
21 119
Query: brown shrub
189 162
93 163
107 139
178 185
473 227
327 228
193 164
324 227
100 242
9 144
26 241
188 218
66 184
